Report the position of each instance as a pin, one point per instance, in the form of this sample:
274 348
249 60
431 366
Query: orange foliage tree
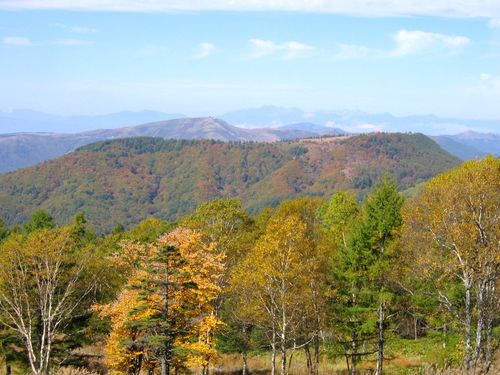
165 315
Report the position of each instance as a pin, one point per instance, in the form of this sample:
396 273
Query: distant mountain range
16 121
124 181
357 121
18 150
470 145
35 144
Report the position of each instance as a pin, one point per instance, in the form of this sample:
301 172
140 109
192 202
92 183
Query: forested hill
126 180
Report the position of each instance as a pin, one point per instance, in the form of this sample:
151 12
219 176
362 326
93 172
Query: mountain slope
470 145
488 143
127 180
20 150
463 151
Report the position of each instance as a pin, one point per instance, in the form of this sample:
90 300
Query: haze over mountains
19 150
29 137
14 121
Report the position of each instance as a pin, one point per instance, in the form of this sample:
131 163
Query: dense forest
127 180
356 281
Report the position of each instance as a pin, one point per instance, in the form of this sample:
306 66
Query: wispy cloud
288 50
205 49
407 43
416 42
296 50
17 41
77 29
378 8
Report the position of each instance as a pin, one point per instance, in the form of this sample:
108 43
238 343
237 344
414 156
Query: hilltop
126 180
18 150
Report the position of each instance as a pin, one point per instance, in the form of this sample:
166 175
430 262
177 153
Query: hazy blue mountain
470 145
24 120
487 143
262 117
357 121
458 149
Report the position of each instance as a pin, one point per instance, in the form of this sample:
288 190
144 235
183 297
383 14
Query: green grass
403 356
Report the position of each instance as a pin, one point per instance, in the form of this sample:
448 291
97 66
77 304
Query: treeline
331 279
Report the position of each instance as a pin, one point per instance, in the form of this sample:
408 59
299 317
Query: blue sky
208 57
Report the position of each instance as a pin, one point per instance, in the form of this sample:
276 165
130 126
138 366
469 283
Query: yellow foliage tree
45 281
125 350
165 314
453 228
271 281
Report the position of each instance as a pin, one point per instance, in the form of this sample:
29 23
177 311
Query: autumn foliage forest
352 284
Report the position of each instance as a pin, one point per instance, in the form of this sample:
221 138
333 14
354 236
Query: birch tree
453 229
43 283
274 280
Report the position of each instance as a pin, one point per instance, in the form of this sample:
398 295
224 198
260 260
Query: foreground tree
382 220
276 281
44 281
365 250
453 230
351 315
165 314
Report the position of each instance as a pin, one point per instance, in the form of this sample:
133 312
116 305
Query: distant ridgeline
123 181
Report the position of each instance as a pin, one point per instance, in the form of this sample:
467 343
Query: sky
206 57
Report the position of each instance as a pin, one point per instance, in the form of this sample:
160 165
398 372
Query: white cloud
416 42
296 50
356 128
494 23
407 43
371 8
72 42
17 41
261 48
289 50
205 49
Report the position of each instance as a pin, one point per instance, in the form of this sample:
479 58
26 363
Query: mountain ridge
123 181
18 150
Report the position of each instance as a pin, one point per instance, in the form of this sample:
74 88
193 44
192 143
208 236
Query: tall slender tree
43 284
453 228
363 259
